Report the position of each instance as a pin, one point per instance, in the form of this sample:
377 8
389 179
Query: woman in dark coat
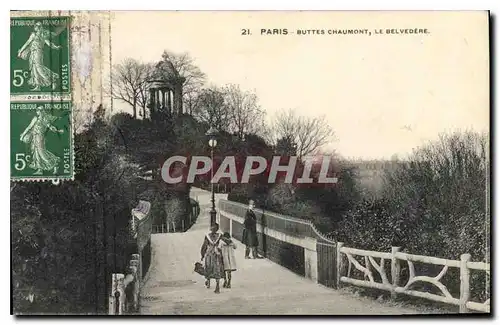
250 232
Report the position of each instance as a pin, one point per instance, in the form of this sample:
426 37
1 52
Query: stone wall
280 252
298 254
290 242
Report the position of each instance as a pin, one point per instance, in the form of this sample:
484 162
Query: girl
228 257
211 252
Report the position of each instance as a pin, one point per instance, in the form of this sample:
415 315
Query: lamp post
212 142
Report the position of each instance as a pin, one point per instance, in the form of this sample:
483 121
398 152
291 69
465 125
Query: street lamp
212 142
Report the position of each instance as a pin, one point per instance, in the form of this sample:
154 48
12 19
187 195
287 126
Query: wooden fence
334 262
124 293
391 282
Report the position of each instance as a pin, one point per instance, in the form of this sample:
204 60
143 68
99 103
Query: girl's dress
228 256
213 257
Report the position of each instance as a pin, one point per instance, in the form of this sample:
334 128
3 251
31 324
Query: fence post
339 262
310 258
137 257
395 270
230 226
134 269
117 295
464 282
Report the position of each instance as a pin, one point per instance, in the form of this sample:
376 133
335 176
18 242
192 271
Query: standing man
250 232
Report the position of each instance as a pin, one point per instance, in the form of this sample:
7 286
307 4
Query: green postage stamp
41 141
40 57
40 89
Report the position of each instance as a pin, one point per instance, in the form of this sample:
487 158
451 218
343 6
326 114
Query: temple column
169 101
165 98
162 95
151 98
157 98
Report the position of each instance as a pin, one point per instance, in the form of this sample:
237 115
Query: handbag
198 268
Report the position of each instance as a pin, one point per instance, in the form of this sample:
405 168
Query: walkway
259 287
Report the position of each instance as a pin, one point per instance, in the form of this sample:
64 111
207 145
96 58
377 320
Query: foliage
285 146
68 239
440 192
434 205
146 142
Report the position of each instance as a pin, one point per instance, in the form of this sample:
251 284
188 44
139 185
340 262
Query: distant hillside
371 172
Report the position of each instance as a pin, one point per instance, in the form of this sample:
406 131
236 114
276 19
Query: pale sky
367 87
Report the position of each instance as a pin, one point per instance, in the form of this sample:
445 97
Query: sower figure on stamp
211 253
34 136
32 50
250 232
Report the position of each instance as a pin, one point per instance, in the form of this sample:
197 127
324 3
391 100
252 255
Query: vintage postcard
250 163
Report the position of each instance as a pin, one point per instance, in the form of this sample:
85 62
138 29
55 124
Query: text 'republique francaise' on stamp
41 114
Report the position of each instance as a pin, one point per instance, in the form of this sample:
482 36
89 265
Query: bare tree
212 109
194 77
143 96
308 134
283 126
245 114
129 81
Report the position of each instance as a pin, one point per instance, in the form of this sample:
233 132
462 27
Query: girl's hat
226 235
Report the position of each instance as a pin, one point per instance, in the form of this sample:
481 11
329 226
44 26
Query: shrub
239 193
440 196
434 204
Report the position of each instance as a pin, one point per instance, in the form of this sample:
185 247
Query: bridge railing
291 242
297 245
374 270
125 288
279 222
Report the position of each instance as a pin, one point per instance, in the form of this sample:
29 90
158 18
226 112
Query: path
258 287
